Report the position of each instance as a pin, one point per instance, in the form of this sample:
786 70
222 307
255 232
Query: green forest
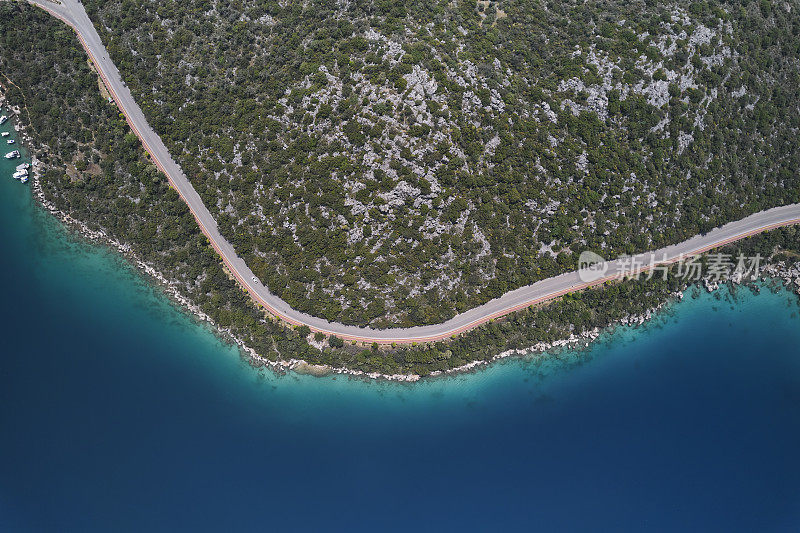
392 164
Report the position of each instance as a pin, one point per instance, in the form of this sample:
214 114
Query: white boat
10 141
5 134
19 174
24 179
3 120
12 155
23 166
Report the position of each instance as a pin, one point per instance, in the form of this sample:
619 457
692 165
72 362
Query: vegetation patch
392 164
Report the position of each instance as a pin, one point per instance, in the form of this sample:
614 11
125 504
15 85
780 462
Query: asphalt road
73 14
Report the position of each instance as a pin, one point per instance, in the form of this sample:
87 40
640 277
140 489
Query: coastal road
73 14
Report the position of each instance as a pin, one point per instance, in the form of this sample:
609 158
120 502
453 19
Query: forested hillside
393 163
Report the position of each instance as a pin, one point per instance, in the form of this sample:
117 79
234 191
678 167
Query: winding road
73 14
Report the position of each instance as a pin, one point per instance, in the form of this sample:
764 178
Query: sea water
118 412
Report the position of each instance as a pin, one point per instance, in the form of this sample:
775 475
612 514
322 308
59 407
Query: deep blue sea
119 413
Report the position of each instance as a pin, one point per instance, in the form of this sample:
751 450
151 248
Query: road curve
73 14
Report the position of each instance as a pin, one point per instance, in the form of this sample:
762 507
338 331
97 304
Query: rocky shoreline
256 360
789 275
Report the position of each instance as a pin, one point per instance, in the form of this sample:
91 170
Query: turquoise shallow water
118 412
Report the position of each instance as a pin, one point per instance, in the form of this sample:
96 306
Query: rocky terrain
393 164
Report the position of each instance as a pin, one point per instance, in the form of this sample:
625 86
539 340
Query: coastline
787 275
